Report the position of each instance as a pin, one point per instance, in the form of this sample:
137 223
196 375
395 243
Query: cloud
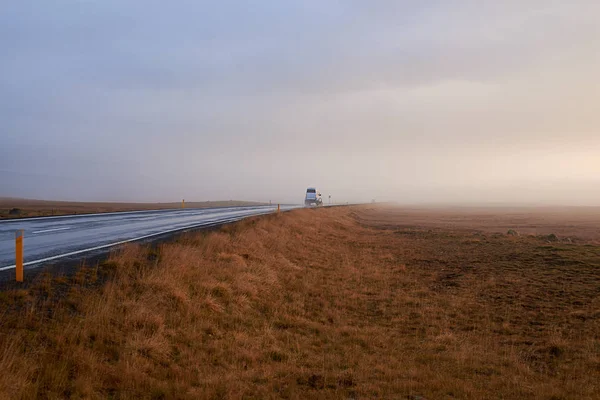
256 100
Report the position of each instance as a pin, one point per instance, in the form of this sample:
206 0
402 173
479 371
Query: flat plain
371 301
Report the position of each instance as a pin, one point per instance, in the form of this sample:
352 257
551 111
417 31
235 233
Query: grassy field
43 208
350 302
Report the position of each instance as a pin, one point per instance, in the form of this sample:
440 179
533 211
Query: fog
469 102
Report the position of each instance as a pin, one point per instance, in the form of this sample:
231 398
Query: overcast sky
430 101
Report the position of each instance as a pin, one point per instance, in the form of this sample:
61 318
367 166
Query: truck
313 197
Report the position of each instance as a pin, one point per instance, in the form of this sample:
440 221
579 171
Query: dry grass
44 208
314 304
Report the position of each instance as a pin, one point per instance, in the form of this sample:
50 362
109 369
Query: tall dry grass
308 304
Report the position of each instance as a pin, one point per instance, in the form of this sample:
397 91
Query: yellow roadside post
19 254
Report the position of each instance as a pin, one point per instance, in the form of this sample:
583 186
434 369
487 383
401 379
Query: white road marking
119 213
53 230
106 246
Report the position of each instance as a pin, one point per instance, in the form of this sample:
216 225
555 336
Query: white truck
313 197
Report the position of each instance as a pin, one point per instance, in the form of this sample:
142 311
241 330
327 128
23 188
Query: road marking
53 230
106 246
119 213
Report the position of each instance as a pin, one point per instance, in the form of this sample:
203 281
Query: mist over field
393 101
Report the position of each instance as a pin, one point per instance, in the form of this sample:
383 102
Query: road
51 238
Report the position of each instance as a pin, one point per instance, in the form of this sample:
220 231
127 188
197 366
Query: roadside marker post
19 254
278 208
183 203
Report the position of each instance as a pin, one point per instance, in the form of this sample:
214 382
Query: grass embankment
20 208
311 304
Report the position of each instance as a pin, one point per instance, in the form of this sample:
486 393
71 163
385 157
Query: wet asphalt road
52 238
